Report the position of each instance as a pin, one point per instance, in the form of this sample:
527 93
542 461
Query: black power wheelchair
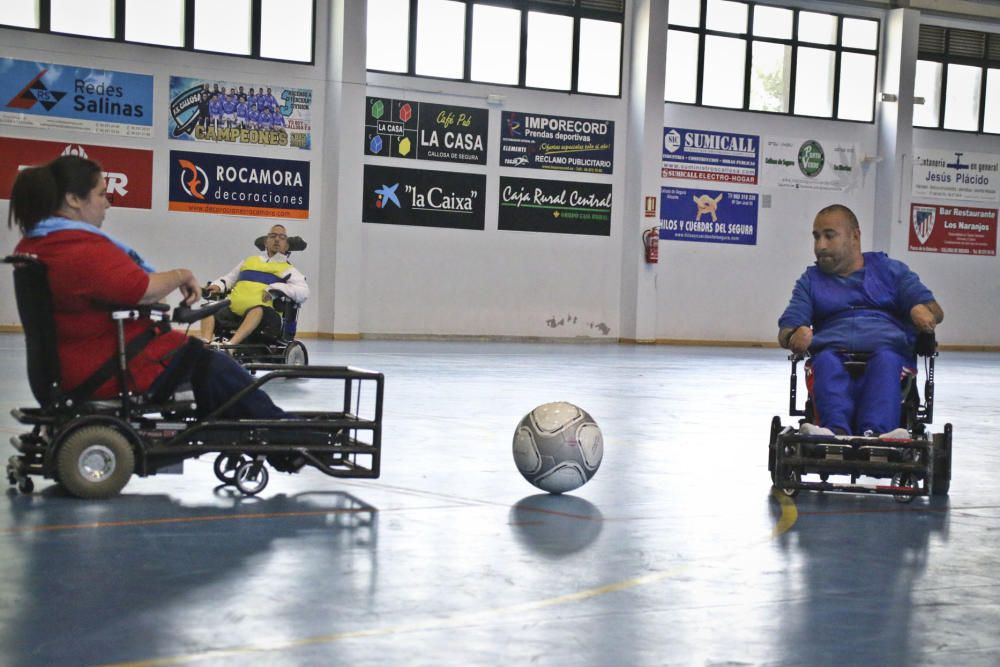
918 465
268 344
93 447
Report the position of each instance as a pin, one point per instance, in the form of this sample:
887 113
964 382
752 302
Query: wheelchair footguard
94 450
903 468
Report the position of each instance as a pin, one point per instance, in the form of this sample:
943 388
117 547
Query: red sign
956 230
128 171
650 207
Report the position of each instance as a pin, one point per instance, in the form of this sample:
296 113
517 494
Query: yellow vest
256 275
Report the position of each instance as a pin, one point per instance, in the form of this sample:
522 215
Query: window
264 29
569 45
957 75
759 57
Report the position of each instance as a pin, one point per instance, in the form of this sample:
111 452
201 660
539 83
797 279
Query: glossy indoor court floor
676 553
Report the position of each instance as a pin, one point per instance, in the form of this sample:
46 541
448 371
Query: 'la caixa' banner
424 198
238 185
425 131
36 94
709 216
561 207
128 172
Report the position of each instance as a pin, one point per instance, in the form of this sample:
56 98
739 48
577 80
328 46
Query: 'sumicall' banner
127 171
538 141
35 94
709 216
705 155
238 113
424 198
236 185
561 207
425 131
956 230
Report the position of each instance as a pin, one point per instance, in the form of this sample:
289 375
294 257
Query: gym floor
676 552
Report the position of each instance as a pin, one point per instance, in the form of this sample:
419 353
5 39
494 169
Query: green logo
811 158
378 108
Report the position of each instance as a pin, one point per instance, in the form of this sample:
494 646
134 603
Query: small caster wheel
226 466
251 477
903 479
26 485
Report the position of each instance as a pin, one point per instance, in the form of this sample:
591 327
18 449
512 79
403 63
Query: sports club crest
923 222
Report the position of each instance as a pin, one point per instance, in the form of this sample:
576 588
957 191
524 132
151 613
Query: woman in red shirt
60 208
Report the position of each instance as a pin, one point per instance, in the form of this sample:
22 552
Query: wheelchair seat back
34 306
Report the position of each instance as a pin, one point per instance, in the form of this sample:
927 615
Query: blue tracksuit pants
870 402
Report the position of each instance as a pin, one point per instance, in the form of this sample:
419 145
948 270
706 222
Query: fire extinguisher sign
651 207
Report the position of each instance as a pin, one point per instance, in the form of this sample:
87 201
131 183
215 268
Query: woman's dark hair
38 192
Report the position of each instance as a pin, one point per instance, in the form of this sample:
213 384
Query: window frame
575 9
794 44
45 26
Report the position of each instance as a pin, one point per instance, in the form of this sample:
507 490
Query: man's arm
794 331
294 287
163 283
926 316
796 339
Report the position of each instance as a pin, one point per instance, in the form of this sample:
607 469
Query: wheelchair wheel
942 462
26 485
95 462
903 479
791 476
226 465
296 354
251 477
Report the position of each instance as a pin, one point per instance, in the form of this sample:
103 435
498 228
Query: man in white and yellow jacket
248 285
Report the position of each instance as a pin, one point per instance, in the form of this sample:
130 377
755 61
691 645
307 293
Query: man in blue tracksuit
855 302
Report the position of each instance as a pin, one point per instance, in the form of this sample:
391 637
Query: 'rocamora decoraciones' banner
128 172
705 155
425 131
956 230
956 176
238 185
537 141
238 113
710 216
810 164
35 94
561 207
424 198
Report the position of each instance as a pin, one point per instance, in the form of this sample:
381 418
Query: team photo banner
128 172
424 198
956 230
237 185
951 175
37 94
424 131
810 164
224 112
537 141
558 207
704 155
709 216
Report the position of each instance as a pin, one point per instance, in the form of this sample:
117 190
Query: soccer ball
558 447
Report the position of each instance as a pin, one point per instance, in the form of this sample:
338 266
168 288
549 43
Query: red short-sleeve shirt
87 274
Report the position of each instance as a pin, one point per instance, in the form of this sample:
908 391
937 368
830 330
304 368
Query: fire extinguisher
651 244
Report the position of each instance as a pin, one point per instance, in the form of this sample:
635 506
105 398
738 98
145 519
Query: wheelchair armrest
926 345
152 311
187 315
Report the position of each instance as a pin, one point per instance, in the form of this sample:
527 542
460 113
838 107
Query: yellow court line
789 514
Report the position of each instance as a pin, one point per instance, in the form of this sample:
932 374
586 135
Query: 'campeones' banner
239 113
235 185
127 171
35 94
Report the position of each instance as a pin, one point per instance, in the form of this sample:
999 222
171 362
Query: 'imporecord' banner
238 185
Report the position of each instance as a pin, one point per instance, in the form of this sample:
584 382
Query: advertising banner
710 216
810 164
239 113
951 175
238 185
424 131
537 141
128 172
35 94
710 156
424 198
560 207
957 230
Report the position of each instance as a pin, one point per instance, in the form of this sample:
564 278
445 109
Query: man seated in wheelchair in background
855 305
251 285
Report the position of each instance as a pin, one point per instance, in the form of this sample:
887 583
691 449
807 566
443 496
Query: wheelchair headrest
295 243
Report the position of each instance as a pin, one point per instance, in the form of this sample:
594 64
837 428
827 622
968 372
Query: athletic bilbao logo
194 180
923 223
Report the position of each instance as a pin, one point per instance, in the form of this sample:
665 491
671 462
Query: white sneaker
811 429
896 434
